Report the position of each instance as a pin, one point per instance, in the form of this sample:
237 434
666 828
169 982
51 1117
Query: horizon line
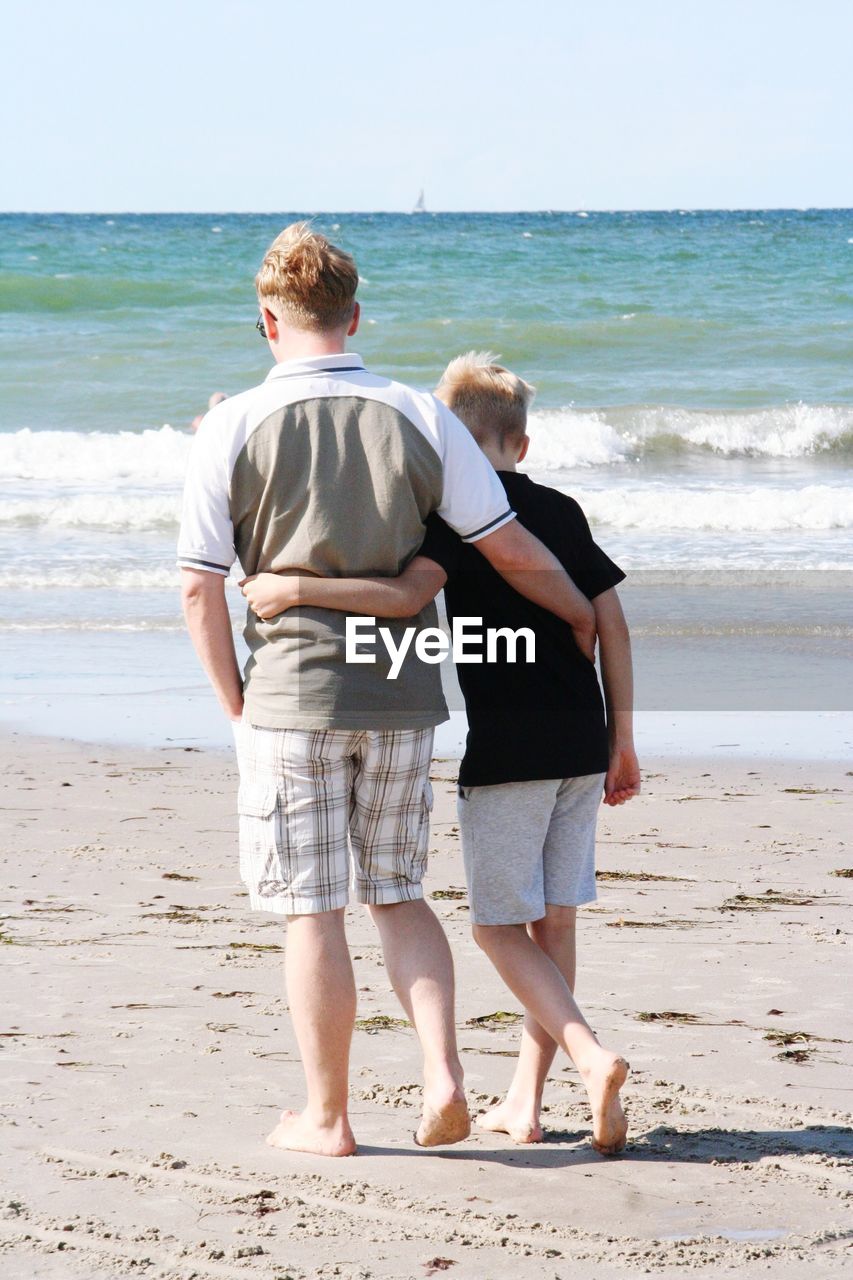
317 213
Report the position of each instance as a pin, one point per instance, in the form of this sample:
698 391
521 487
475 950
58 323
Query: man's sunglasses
260 326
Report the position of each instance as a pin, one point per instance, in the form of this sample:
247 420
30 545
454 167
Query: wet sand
146 1049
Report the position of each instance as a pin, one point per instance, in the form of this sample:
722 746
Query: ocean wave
654 507
686 561
140 513
659 508
90 577
564 438
774 572
157 456
756 568
560 439
707 630
90 624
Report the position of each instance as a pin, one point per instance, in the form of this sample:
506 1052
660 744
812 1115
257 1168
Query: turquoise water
694 370
695 393
129 321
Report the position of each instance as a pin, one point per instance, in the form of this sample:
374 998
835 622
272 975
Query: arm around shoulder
536 573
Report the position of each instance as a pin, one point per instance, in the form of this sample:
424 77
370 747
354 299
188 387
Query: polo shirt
528 720
328 468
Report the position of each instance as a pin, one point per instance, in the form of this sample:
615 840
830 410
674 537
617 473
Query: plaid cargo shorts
322 809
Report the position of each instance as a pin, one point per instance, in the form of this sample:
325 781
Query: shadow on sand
663 1144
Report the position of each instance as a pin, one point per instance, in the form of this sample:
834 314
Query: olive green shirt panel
338 486
341 487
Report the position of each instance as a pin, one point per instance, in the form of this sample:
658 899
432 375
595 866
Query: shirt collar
305 366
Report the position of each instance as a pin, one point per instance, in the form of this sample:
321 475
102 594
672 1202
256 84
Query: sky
249 105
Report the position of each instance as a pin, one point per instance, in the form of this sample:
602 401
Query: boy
538 752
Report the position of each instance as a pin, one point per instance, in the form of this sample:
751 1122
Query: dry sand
146 1047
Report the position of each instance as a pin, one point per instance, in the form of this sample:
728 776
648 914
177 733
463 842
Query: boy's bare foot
604 1077
445 1120
521 1123
296 1131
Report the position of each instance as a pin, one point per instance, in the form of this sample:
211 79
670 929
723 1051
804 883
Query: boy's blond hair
490 400
312 282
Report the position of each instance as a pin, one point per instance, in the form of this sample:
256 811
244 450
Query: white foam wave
142 457
760 562
566 438
140 513
560 439
660 562
89 624
652 507
790 431
657 508
92 576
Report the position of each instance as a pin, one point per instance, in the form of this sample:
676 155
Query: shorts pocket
260 853
257 799
422 846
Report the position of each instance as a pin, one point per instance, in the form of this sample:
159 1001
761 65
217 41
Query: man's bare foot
603 1079
296 1131
444 1121
521 1123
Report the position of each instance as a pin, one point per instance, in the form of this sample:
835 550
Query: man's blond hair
490 400
308 281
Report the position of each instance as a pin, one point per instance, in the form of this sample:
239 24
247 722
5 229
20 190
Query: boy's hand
269 594
623 776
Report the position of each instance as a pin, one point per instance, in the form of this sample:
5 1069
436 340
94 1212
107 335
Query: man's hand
269 594
623 776
585 636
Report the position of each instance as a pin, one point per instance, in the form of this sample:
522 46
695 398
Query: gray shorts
526 844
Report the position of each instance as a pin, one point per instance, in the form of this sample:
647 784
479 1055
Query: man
327 468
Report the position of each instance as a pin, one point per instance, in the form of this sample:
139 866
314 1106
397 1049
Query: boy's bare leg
537 982
518 1113
321 994
420 966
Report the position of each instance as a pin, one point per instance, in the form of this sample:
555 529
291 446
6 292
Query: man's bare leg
321 994
420 966
518 1113
537 982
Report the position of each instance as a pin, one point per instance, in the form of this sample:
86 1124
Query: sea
694 375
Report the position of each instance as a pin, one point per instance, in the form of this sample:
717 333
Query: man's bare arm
269 594
209 625
535 572
617 674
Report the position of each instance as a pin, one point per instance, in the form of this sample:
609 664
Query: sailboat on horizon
420 207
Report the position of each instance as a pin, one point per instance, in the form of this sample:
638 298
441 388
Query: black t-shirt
543 719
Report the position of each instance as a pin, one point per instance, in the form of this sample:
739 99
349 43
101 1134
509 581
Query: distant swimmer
215 399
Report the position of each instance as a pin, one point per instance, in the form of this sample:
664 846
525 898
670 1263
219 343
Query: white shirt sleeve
473 500
206 540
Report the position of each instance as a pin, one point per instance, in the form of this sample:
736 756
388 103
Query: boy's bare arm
623 774
535 572
272 593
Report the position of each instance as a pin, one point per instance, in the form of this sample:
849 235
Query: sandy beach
146 1047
